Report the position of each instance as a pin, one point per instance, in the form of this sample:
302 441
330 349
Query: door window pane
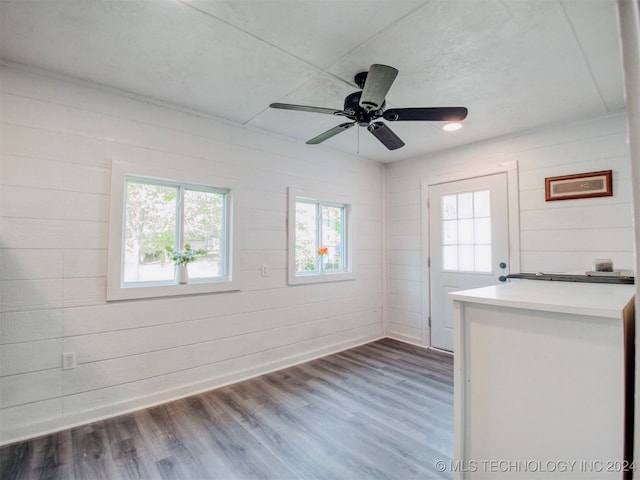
450 257
482 231
481 204
449 207
483 258
466 232
450 232
466 261
465 205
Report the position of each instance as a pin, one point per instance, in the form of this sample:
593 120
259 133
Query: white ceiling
515 64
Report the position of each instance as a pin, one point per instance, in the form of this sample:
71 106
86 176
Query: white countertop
592 299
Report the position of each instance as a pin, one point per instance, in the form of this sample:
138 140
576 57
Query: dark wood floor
382 410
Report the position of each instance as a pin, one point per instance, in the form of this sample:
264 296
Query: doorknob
502 278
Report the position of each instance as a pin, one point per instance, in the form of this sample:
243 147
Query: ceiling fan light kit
452 126
366 106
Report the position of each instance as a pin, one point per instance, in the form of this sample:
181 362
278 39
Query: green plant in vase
184 258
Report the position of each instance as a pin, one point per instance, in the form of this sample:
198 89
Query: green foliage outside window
317 226
155 213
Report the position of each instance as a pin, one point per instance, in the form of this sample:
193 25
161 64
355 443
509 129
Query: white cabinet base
539 393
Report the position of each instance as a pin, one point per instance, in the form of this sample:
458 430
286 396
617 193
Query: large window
152 219
319 240
162 217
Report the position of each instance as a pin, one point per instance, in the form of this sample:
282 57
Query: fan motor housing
360 79
352 102
355 112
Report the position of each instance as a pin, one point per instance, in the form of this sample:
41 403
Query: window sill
115 293
306 279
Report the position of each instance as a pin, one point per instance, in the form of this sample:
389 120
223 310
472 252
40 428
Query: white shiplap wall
58 141
561 236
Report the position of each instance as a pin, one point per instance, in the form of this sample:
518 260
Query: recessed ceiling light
452 127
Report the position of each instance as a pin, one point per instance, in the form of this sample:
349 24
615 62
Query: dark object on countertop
561 277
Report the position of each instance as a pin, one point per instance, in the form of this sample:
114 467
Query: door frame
465 173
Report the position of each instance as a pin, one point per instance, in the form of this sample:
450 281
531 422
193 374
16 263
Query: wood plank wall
58 141
561 236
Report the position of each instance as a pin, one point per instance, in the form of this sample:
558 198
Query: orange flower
323 250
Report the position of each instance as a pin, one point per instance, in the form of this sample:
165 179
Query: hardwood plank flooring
379 411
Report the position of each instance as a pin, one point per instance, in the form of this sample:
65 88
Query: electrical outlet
68 360
264 270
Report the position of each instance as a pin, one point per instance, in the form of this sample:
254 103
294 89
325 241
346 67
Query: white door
468 244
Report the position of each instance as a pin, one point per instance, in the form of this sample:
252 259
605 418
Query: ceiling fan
366 106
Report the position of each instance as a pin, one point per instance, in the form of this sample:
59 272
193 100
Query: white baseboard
406 339
412 341
29 431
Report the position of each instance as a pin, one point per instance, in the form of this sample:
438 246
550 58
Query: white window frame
297 278
116 289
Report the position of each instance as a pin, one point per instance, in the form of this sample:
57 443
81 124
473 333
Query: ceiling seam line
325 70
387 28
235 27
319 70
584 56
365 42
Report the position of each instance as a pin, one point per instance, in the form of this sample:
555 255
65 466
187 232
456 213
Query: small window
151 220
319 240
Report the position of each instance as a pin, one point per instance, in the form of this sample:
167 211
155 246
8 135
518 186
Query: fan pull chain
358 141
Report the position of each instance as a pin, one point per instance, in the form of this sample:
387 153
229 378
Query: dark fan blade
305 108
385 135
438 114
330 133
379 81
